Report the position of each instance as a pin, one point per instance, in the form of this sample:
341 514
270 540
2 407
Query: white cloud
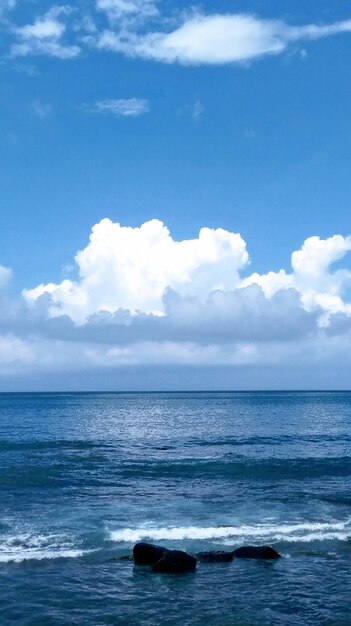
271 283
44 36
123 107
143 299
130 268
117 9
217 39
319 286
315 257
139 284
46 27
47 48
189 38
5 276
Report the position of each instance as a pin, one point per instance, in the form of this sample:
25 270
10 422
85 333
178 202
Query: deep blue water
84 476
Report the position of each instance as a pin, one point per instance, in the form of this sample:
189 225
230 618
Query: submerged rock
148 553
175 562
215 556
256 552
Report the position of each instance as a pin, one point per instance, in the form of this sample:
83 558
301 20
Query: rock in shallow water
215 556
175 562
148 553
256 552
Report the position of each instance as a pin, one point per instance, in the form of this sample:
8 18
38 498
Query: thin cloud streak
123 107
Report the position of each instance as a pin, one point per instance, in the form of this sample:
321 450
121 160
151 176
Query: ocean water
84 476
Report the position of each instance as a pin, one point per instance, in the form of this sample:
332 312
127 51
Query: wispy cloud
6 5
118 9
138 29
42 109
197 110
44 36
217 39
123 107
5 276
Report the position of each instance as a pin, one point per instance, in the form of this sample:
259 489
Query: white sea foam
23 547
266 532
26 555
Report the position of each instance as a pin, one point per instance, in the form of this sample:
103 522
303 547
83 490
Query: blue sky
231 117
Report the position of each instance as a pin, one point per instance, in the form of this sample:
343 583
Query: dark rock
215 556
256 552
175 562
148 553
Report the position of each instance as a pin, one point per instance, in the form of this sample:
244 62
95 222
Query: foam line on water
305 531
28 555
23 547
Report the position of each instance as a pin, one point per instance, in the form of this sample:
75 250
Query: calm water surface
84 476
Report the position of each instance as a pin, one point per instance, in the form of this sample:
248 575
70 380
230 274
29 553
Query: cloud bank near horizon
141 298
143 29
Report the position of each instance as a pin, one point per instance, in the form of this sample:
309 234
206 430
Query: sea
84 476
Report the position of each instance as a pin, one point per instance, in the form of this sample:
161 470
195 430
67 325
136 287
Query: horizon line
174 391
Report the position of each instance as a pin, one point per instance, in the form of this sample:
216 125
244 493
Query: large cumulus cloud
124 268
142 299
130 268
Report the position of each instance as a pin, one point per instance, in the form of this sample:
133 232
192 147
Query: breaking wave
297 532
24 547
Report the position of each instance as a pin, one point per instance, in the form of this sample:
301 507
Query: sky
175 195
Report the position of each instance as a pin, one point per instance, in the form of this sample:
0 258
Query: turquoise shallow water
84 476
